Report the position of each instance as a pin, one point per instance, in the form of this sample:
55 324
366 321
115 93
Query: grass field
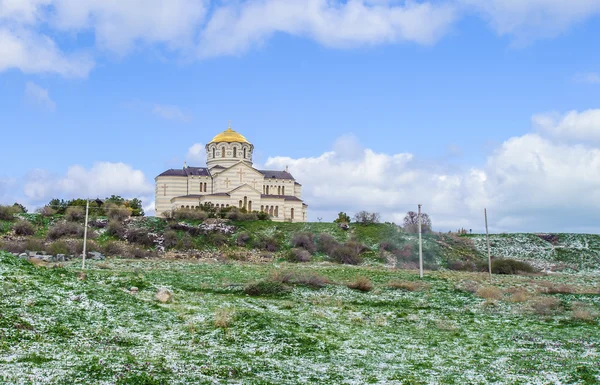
452 328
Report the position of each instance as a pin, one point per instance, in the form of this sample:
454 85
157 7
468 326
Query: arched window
283 190
245 202
245 156
240 204
267 190
292 214
277 211
214 152
262 208
223 152
278 190
235 152
205 187
250 206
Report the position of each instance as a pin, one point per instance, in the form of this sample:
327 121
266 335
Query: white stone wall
176 186
228 154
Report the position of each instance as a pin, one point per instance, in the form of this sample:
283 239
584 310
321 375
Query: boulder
134 290
164 295
96 256
24 255
60 258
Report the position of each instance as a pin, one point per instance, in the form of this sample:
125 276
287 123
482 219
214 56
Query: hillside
288 323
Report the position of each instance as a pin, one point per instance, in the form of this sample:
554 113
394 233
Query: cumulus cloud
234 28
530 19
529 183
103 179
39 96
196 154
173 113
574 125
31 52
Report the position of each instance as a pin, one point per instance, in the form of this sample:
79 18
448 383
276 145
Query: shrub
510 266
366 218
409 285
7 213
268 243
362 284
34 245
545 305
140 237
66 229
236 215
305 241
170 239
75 214
13 246
266 288
561 289
139 253
346 254
326 244
243 239
117 213
224 317
468 286
24 228
47 211
185 243
58 247
217 239
76 248
112 248
582 314
489 292
190 214
519 296
116 229
299 255
311 280
388 246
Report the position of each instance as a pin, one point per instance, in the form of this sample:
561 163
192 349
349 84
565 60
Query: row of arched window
271 210
235 152
268 190
218 206
203 187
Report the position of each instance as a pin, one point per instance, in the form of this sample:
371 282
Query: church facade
230 180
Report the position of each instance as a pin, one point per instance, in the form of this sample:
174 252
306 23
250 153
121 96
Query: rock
81 276
60 258
32 254
45 258
134 290
24 255
96 256
164 295
75 298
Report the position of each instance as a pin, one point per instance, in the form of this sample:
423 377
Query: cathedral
230 180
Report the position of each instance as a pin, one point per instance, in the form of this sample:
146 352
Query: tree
136 207
58 205
20 208
342 218
411 223
366 218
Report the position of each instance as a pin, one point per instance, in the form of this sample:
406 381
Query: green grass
57 329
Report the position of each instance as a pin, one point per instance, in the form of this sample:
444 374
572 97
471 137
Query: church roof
196 171
229 136
284 197
276 174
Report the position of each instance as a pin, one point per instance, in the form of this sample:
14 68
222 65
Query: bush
236 215
366 218
489 292
217 239
24 228
347 254
112 248
75 214
58 247
7 213
170 239
13 246
268 243
116 229
66 229
190 214
311 280
327 244
138 253
362 284
117 213
47 211
266 288
140 237
299 255
511 266
34 245
545 305
305 241
243 239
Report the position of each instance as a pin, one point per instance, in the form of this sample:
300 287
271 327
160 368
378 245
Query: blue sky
452 98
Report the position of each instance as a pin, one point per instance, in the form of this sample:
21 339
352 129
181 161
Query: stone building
230 180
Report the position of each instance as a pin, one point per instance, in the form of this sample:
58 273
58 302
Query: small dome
229 136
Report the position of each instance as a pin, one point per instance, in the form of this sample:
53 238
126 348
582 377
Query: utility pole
420 247
487 237
85 227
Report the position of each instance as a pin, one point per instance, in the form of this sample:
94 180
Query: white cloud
574 125
530 19
6 185
103 179
587 77
39 96
529 183
234 28
35 53
196 155
173 113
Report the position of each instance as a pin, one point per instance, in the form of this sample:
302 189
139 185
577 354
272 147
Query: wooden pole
420 247
487 237
85 227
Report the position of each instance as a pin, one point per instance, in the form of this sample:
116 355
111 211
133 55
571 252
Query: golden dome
229 136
